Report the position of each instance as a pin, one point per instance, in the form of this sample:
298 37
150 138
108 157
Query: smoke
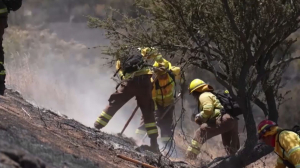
53 71
51 66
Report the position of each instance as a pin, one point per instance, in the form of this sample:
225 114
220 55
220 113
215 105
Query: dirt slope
34 137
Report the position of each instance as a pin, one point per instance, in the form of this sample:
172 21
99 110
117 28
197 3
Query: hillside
36 138
52 59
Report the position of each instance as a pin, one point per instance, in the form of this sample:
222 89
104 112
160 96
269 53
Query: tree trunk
239 161
270 97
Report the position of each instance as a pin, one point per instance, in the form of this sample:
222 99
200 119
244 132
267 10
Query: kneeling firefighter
136 82
286 143
163 95
212 122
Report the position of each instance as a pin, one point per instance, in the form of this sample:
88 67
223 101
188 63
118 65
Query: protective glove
198 119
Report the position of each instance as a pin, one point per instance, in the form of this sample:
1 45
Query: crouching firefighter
136 82
213 120
163 95
286 143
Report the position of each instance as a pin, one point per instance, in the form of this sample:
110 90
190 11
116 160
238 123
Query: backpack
231 107
131 64
13 4
295 129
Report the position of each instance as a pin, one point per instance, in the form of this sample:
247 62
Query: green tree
244 43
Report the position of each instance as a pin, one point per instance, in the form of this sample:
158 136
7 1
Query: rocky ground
31 137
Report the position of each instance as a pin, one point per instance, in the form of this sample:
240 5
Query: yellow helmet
195 84
149 52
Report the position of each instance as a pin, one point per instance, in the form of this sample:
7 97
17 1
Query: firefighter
138 84
286 143
163 95
211 121
3 25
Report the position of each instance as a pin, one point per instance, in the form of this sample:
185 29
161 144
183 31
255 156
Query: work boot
97 125
154 145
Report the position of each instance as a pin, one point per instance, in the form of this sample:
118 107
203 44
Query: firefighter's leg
166 126
116 101
230 138
202 134
141 130
226 138
207 131
3 25
235 141
144 99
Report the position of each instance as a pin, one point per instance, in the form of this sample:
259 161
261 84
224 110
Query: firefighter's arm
207 106
154 94
291 143
294 154
279 163
176 72
295 157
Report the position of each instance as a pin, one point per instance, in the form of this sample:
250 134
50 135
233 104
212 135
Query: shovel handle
128 121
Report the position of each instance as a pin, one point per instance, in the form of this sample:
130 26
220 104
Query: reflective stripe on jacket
3 9
290 142
209 106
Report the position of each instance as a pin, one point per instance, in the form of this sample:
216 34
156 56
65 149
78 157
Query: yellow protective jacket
143 71
209 105
164 96
289 149
3 9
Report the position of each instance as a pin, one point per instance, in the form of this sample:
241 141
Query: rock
3 127
18 158
5 161
31 162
